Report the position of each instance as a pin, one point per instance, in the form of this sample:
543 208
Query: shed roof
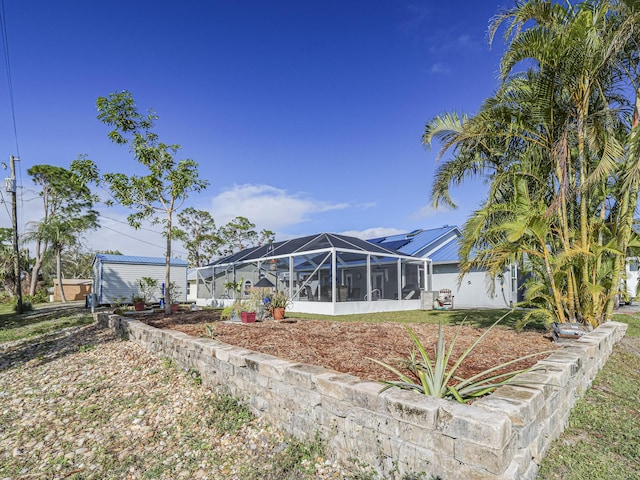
136 260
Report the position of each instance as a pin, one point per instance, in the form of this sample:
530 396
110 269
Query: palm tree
551 143
68 211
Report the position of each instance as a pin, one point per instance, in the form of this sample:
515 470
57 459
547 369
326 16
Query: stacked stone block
501 436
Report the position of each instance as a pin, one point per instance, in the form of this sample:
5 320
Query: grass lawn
43 319
473 318
602 440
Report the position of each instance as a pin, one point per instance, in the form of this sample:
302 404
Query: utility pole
14 218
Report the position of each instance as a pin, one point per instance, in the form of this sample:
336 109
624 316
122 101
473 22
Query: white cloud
373 232
439 68
267 206
466 42
428 211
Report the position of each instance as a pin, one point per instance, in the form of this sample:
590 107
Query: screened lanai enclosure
326 273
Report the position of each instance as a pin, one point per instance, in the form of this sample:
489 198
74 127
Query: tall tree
557 149
239 234
7 270
157 195
68 212
199 235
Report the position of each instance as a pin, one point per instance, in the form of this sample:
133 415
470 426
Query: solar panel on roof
395 245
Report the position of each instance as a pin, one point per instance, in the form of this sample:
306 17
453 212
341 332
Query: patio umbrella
264 282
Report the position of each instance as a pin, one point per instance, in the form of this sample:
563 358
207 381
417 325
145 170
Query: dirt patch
348 346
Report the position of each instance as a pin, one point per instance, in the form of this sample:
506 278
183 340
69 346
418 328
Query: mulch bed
347 347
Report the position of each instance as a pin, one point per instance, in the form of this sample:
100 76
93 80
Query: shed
74 288
115 277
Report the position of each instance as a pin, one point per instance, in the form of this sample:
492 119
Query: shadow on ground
47 311
51 346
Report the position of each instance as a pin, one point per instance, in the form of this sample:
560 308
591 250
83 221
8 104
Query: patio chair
309 293
445 298
341 293
325 293
410 291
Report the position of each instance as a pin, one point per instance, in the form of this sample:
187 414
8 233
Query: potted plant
138 302
147 287
248 312
235 287
232 313
278 304
259 301
250 306
174 293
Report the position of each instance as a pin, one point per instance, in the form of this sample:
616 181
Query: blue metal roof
447 253
132 259
420 242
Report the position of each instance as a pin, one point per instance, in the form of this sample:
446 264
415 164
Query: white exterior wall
472 292
116 282
192 296
632 277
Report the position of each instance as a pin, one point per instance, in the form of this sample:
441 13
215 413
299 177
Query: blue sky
304 116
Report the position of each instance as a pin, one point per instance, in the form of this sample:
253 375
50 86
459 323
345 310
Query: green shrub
41 296
26 305
431 377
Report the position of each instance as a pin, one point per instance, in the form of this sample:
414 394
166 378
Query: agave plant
437 380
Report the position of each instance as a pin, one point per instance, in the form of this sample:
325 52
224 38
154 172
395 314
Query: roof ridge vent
414 233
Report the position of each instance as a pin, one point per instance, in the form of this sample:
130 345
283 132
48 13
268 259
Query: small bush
26 305
41 296
228 414
431 375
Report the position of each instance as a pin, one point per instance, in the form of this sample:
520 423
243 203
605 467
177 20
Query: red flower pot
248 317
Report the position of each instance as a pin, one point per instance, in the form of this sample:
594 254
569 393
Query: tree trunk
167 270
35 271
59 274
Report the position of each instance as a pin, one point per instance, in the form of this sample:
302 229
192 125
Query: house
325 273
630 280
115 277
74 289
441 246
192 275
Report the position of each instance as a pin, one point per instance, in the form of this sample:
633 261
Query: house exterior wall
191 291
472 292
631 281
118 282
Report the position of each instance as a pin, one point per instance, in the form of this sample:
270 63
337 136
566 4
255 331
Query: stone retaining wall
501 436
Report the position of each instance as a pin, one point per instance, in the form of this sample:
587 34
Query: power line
126 223
7 63
140 240
5 203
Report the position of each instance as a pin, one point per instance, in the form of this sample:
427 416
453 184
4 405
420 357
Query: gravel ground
82 404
